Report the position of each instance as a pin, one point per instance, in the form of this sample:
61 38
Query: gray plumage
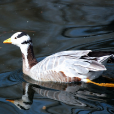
66 63
65 66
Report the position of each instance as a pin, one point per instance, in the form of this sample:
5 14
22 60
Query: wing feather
68 62
73 53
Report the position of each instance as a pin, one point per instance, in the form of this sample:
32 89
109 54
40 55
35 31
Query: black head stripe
27 42
22 34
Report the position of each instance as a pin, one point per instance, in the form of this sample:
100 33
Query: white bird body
65 66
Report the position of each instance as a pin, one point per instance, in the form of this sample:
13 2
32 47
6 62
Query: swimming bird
64 66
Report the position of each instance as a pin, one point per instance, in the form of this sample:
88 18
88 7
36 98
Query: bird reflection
27 98
76 94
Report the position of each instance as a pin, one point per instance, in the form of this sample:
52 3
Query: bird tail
106 59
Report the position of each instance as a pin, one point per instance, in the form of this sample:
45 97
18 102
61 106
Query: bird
64 66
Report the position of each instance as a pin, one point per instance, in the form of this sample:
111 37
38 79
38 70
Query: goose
64 67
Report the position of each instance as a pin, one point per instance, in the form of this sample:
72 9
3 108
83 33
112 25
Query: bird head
19 39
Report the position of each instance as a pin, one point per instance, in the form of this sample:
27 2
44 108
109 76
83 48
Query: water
56 26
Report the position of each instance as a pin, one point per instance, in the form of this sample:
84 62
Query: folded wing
69 63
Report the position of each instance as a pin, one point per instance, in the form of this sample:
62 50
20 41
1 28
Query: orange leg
101 84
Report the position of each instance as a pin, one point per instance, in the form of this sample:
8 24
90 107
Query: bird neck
28 57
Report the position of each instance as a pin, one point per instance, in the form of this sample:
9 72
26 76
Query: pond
55 25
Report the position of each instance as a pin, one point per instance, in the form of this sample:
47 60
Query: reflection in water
27 98
77 97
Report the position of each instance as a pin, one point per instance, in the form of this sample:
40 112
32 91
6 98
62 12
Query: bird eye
15 37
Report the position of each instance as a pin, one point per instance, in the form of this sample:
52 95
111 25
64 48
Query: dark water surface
56 25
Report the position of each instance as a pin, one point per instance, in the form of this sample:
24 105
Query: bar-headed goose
65 66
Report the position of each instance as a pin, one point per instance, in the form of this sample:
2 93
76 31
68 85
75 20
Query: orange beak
8 41
12 101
